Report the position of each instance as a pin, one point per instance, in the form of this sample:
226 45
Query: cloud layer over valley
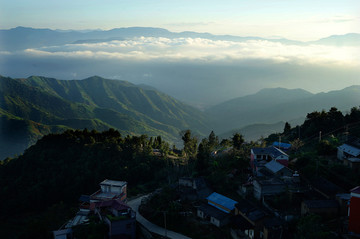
199 70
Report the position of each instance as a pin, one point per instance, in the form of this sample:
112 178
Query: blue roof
282 145
221 200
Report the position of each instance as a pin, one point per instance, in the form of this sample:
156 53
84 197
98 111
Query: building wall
272 189
215 221
122 227
340 154
354 215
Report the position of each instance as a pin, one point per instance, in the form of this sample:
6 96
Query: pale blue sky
294 19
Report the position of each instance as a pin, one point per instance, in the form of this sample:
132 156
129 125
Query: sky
293 19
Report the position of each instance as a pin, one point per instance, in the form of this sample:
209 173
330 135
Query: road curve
134 204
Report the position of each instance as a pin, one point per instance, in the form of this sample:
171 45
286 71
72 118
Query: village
262 206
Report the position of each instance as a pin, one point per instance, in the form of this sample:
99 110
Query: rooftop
113 183
355 190
274 166
105 195
251 212
116 204
221 200
272 151
353 151
282 145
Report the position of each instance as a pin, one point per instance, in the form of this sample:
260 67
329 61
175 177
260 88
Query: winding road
134 204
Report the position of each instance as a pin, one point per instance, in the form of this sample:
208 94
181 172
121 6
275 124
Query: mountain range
35 106
278 104
32 107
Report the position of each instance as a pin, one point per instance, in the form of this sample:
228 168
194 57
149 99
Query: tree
213 141
237 140
287 128
296 144
190 143
309 227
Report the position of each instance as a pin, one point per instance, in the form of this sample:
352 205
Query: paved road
134 204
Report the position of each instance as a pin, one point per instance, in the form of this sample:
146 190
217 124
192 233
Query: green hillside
49 105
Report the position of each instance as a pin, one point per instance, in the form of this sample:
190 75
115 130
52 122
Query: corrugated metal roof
282 145
274 166
221 200
272 151
350 150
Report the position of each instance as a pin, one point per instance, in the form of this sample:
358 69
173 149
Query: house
351 149
221 202
109 190
241 228
192 189
63 234
277 169
353 163
109 204
217 210
268 154
326 208
265 187
354 211
120 218
253 216
212 214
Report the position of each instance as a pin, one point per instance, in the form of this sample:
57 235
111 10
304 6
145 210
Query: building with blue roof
221 202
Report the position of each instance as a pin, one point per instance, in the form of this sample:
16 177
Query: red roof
116 204
355 190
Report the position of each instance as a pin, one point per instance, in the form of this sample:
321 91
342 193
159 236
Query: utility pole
319 136
346 133
279 141
165 223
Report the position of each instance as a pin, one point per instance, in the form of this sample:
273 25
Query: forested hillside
32 107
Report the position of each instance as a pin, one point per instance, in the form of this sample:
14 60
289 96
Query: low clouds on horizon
203 50
199 71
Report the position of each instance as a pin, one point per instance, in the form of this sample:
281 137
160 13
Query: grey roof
213 211
251 212
272 151
274 166
113 183
321 203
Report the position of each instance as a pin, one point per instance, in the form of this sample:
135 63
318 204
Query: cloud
204 50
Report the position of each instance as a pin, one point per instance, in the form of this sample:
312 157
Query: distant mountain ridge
42 105
21 38
269 106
